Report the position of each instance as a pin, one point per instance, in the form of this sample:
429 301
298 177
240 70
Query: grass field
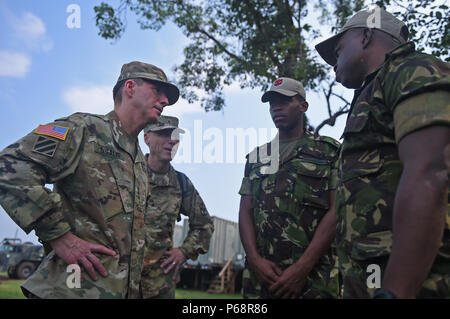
10 289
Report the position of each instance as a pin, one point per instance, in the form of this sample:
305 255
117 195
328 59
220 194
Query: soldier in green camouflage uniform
286 218
172 194
392 201
94 216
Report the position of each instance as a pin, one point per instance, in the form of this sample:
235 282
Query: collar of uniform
165 179
121 137
403 49
303 143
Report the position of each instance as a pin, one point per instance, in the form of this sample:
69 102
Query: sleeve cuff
245 187
426 109
51 226
333 183
189 254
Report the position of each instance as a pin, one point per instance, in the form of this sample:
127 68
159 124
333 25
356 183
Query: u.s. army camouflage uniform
100 192
163 208
410 91
287 209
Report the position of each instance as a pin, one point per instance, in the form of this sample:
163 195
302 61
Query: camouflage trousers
157 285
28 294
314 289
355 277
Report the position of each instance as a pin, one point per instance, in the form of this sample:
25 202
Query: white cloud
94 99
97 99
14 64
182 107
32 31
31 25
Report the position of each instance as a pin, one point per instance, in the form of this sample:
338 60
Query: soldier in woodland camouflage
392 201
94 216
172 194
286 216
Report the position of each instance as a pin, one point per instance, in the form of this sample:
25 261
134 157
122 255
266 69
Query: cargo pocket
373 245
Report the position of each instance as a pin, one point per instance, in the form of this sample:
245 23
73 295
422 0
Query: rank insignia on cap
56 131
45 146
278 82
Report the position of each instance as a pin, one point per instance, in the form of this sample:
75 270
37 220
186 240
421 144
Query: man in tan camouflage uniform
172 194
94 216
286 217
392 201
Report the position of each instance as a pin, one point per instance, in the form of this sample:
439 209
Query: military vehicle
19 260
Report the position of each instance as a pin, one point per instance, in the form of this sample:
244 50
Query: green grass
10 289
198 294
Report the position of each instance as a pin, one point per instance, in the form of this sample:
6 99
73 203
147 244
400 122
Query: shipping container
225 243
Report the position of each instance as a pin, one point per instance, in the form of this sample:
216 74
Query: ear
367 37
129 88
304 106
147 139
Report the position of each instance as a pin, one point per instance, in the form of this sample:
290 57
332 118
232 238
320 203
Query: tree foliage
428 22
251 42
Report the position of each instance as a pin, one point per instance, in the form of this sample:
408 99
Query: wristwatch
383 294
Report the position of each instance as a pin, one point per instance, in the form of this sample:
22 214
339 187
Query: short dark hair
117 90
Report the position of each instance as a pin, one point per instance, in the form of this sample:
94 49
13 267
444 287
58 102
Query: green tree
252 42
428 22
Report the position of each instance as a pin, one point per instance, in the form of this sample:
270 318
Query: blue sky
48 71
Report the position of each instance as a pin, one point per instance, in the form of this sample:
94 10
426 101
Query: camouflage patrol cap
135 69
376 18
164 123
285 86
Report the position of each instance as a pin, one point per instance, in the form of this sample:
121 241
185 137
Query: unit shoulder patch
45 146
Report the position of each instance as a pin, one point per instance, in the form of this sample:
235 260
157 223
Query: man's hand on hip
74 250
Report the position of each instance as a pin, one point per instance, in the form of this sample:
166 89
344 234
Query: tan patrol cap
164 123
141 70
376 18
286 87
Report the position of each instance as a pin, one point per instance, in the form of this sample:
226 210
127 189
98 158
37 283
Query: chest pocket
261 184
301 181
112 187
121 170
312 182
163 207
360 150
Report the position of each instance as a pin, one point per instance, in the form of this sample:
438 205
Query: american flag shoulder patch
45 146
59 132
